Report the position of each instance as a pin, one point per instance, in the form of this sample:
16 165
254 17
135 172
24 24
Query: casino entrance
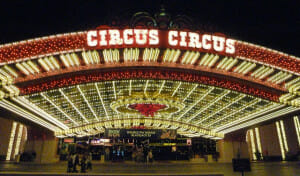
139 144
161 87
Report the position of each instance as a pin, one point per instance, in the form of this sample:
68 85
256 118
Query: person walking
83 164
150 156
75 159
89 161
70 163
107 154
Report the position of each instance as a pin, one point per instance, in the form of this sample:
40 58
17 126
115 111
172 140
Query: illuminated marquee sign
141 133
159 38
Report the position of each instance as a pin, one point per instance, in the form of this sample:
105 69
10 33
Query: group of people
83 160
142 154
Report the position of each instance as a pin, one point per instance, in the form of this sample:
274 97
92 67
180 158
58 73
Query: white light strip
195 86
263 69
176 89
297 126
175 55
203 59
75 59
70 60
126 52
114 87
185 56
192 106
162 86
28 67
99 94
275 77
44 64
17 110
166 55
240 66
294 81
130 85
257 134
49 63
229 66
22 69
231 103
96 56
208 59
261 119
64 60
172 56
87 102
27 104
252 66
213 61
226 92
284 78
247 65
268 72
11 140
253 145
145 89
19 137
77 110
280 141
8 76
233 113
116 56
33 66
85 58
284 136
11 71
54 62
60 110
226 62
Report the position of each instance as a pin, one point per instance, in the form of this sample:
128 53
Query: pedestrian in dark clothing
70 164
83 164
89 161
75 159
145 151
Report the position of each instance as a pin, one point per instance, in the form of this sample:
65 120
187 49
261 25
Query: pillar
43 143
232 146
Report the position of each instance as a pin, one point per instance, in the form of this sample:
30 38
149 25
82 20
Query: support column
234 145
5 131
12 137
43 143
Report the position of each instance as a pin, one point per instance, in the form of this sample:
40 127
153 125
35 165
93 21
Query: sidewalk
156 168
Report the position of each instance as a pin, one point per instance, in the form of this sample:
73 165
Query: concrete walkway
157 168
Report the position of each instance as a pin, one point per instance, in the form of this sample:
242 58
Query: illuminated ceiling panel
204 106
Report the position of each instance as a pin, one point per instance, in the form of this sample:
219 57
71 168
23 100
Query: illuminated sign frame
117 38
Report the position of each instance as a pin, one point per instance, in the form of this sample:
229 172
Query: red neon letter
194 40
102 34
205 39
171 36
218 43
91 41
115 37
126 34
230 46
141 36
183 38
153 37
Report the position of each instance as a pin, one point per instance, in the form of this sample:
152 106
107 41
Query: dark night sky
270 23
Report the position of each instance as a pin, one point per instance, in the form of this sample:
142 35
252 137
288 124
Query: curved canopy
64 84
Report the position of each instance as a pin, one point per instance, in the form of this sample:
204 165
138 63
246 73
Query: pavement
156 168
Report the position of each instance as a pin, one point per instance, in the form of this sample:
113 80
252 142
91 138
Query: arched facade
200 84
